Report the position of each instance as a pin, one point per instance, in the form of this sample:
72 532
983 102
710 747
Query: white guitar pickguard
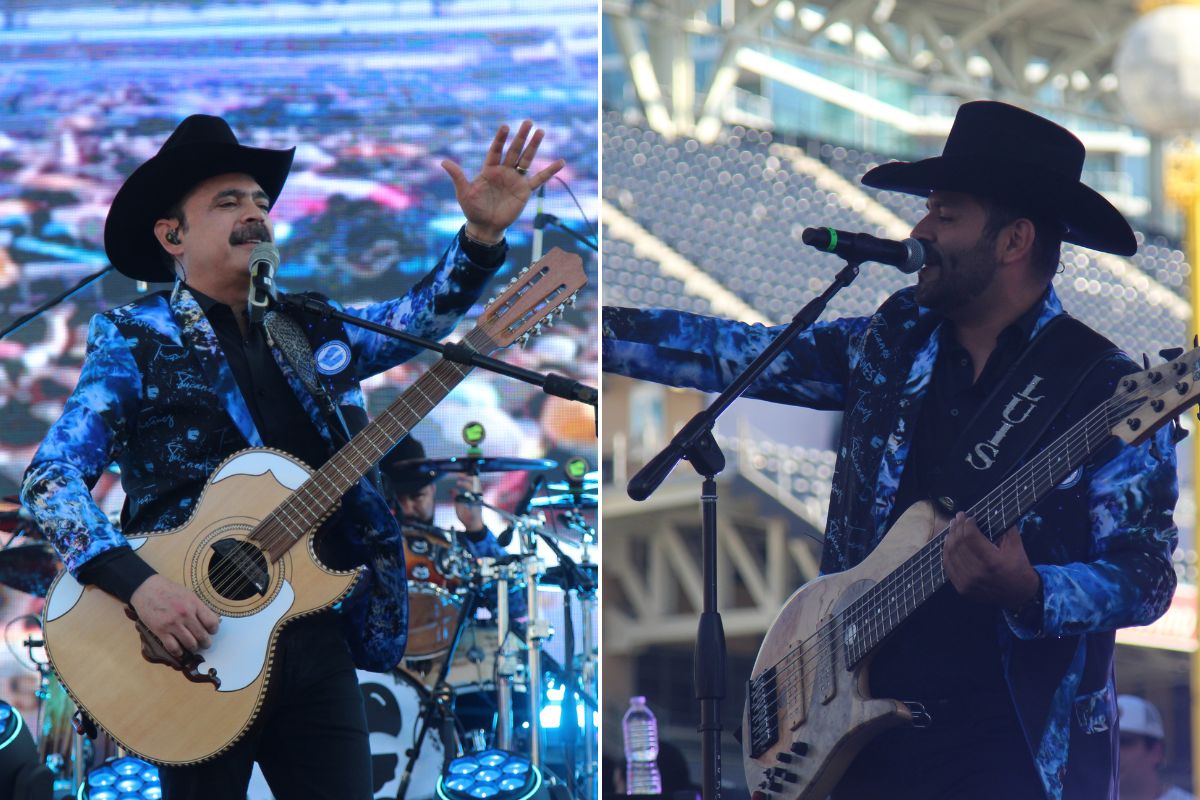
288 473
68 591
239 650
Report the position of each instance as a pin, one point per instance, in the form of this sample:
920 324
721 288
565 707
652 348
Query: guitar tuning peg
491 300
550 320
537 329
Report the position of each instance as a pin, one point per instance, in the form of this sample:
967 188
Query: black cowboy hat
1015 157
200 148
406 481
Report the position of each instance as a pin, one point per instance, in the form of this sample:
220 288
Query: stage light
125 778
490 775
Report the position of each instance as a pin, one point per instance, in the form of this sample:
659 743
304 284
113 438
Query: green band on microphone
832 240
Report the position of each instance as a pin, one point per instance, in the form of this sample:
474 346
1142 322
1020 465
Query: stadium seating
736 209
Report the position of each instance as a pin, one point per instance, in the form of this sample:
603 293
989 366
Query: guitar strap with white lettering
1019 410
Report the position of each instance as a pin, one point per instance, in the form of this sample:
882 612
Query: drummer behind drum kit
465 685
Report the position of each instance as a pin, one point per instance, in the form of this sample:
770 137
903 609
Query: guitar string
922 559
274 528
295 512
930 554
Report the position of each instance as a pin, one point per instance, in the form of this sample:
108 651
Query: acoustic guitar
808 709
247 552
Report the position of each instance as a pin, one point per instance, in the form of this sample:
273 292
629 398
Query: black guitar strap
1019 410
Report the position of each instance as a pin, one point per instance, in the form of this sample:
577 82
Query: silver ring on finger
520 169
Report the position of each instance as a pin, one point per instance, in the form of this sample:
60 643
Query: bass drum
435 571
393 705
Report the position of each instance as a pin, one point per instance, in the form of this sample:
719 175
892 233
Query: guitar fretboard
869 619
847 637
310 504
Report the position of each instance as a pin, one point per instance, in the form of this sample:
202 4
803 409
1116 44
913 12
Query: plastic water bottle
641 749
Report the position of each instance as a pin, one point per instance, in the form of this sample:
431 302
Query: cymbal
29 568
415 469
563 486
562 502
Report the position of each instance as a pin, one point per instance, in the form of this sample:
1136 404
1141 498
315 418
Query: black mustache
255 230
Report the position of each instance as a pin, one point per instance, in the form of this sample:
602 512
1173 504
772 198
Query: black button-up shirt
948 649
280 419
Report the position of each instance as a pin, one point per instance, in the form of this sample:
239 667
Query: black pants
311 736
971 751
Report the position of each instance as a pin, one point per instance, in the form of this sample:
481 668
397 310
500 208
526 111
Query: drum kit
467 682
480 684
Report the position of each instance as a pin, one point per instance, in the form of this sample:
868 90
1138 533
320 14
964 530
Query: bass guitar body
183 711
808 711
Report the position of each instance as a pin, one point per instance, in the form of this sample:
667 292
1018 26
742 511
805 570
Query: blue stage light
11 723
126 778
490 775
101 776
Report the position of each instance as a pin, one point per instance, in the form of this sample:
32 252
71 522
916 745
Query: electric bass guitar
808 710
247 552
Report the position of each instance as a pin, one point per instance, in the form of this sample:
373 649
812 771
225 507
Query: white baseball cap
1139 716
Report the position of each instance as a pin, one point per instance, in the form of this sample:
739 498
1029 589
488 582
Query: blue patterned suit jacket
157 396
1102 540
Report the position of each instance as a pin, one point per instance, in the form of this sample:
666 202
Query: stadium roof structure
1033 52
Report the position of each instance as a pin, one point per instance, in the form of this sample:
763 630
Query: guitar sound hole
238 570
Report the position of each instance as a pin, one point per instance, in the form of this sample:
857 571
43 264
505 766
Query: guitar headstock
1146 400
532 298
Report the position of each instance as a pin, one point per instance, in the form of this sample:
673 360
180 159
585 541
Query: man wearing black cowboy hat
413 498
1013 660
176 382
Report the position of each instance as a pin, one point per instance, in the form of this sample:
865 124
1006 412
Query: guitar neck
316 499
890 602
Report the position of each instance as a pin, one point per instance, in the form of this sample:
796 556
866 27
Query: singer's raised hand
496 196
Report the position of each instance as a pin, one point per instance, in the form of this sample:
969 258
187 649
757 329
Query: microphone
521 509
907 256
264 260
539 225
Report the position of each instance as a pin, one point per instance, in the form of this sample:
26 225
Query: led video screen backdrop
374 95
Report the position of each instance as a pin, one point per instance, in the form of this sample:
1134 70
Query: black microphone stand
551 383
540 221
695 443
53 301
